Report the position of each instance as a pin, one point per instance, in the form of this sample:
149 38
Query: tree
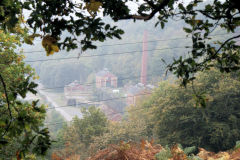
177 119
82 18
21 122
80 134
133 130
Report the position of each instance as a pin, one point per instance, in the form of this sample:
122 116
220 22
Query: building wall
131 100
102 81
114 82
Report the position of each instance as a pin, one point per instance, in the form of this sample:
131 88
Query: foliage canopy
78 136
84 19
177 119
21 122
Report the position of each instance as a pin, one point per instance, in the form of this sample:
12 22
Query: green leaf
187 30
162 25
180 6
107 27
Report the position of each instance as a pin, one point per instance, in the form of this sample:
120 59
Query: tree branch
150 3
8 103
151 15
225 43
219 49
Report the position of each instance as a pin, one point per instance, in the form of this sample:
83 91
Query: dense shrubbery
149 151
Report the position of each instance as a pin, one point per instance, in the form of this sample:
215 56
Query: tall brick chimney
144 59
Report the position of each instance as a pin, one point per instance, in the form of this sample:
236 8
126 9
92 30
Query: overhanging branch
8 103
219 49
156 8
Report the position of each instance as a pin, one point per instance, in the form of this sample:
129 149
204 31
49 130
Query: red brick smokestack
144 59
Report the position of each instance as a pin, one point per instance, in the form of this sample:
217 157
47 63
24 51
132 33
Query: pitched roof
138 88
135 89
105 73
75 85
